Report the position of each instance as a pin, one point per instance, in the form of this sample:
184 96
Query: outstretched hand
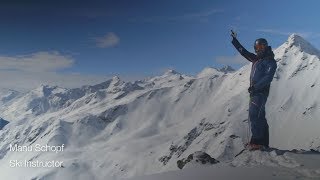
233 34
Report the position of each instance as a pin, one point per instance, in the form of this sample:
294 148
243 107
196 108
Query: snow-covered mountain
226 69
211 71
126 129
6 95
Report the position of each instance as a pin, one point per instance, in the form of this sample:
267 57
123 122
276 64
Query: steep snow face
294 100
146 126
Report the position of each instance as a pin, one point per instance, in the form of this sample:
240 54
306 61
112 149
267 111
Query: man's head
260 46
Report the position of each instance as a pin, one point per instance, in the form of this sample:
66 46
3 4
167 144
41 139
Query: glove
251 89
233 34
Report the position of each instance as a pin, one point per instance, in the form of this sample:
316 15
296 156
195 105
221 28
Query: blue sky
137 38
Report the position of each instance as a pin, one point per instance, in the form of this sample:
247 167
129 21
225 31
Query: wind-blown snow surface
126 129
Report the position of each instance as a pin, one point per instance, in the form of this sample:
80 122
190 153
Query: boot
254 147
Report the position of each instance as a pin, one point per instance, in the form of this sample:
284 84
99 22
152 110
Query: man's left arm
266 80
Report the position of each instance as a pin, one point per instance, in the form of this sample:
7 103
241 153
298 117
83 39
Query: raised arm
246 54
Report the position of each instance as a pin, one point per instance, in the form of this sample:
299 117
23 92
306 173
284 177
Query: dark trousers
257 119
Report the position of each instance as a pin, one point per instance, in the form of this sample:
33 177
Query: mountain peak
226 69
115 78
171 72
45 87
46 90
295 39
212 71
209 71
116 81
298 41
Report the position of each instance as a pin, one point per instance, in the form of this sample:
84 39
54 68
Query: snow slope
256 165
126 129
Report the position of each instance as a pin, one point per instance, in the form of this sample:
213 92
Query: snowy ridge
147 126
226 69
7 95
210 71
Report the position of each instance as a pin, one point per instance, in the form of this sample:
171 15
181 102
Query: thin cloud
107 41
26 72
36 62
201 16
231 60
24 81
273 31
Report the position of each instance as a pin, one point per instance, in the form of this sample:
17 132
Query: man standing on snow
262 72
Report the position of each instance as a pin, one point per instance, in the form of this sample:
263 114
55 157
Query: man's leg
257 119
265 140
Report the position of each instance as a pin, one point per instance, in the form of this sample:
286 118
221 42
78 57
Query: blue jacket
263 67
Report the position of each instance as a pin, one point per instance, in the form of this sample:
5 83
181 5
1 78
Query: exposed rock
197 157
